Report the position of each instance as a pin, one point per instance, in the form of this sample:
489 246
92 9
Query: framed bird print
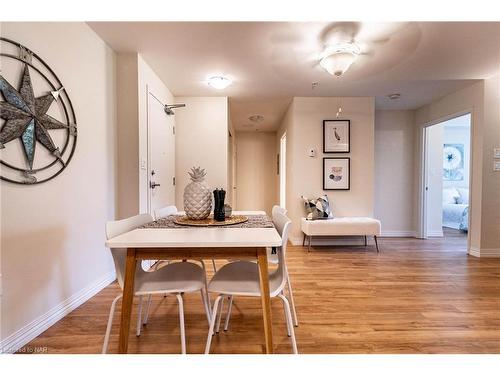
336 173
336 136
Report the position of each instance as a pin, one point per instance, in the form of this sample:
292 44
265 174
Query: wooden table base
265 298
133 255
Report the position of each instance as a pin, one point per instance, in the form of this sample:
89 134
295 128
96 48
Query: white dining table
196 243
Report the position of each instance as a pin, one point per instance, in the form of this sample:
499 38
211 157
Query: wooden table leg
128 297
266 300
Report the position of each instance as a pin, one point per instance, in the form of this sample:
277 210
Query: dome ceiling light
337 59
219 82
256 118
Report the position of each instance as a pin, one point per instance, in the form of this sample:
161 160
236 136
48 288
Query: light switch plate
496 165
496 153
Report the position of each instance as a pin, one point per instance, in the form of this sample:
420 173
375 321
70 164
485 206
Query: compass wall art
38 125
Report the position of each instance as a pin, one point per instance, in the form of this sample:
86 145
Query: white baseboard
435 233
397 233
27 333
474 251
484 253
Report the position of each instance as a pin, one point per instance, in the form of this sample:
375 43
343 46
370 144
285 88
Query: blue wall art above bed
453 162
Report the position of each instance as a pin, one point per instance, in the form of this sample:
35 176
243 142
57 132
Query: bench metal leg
365 241
376 243
304 240
309 248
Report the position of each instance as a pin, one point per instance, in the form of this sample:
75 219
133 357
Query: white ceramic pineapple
197 196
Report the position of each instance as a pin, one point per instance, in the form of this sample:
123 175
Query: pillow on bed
450 195
317 209
463 196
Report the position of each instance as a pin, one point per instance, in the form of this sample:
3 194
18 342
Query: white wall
52 235
127 135
470 99
304 121
481 100
394 163
288 128
201 138
256 171
434 139
231 163
490 210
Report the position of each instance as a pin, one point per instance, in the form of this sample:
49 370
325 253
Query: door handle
152 184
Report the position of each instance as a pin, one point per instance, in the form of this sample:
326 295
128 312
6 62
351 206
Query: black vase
219 213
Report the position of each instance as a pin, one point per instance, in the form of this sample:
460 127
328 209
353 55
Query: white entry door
161 155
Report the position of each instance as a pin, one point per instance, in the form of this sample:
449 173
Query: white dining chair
165 211
277 209
174 278
159 214
272 257
172 210
241 278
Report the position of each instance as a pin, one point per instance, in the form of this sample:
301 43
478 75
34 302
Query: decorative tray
210 222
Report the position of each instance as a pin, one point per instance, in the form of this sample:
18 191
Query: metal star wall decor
26 120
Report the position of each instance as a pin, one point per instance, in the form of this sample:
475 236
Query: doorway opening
282 170
447 171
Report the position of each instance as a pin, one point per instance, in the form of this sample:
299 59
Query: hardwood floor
416 296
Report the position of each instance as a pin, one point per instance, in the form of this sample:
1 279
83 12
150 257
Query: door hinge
173 181
173 130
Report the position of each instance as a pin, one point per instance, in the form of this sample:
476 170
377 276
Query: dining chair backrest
117 227
165 211
282 224
273 258
277 209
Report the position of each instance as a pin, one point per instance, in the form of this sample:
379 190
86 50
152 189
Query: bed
456 208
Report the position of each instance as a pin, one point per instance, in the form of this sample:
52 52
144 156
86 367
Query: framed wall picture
336 136
336 173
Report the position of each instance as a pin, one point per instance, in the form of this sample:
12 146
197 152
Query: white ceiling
271 62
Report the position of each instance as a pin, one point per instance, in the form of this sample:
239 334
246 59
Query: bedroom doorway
447 178
282 170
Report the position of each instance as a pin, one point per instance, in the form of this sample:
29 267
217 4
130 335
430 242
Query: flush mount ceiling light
394 96
219 82
256 118
338 58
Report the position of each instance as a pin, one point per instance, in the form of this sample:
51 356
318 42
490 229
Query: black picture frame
348 159
325 124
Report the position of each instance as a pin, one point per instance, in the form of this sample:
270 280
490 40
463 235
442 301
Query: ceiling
271 62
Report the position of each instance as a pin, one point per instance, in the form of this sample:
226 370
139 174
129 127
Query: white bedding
456 216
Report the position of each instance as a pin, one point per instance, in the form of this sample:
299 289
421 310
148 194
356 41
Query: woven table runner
254 221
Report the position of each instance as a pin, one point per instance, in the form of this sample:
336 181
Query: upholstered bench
341 226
